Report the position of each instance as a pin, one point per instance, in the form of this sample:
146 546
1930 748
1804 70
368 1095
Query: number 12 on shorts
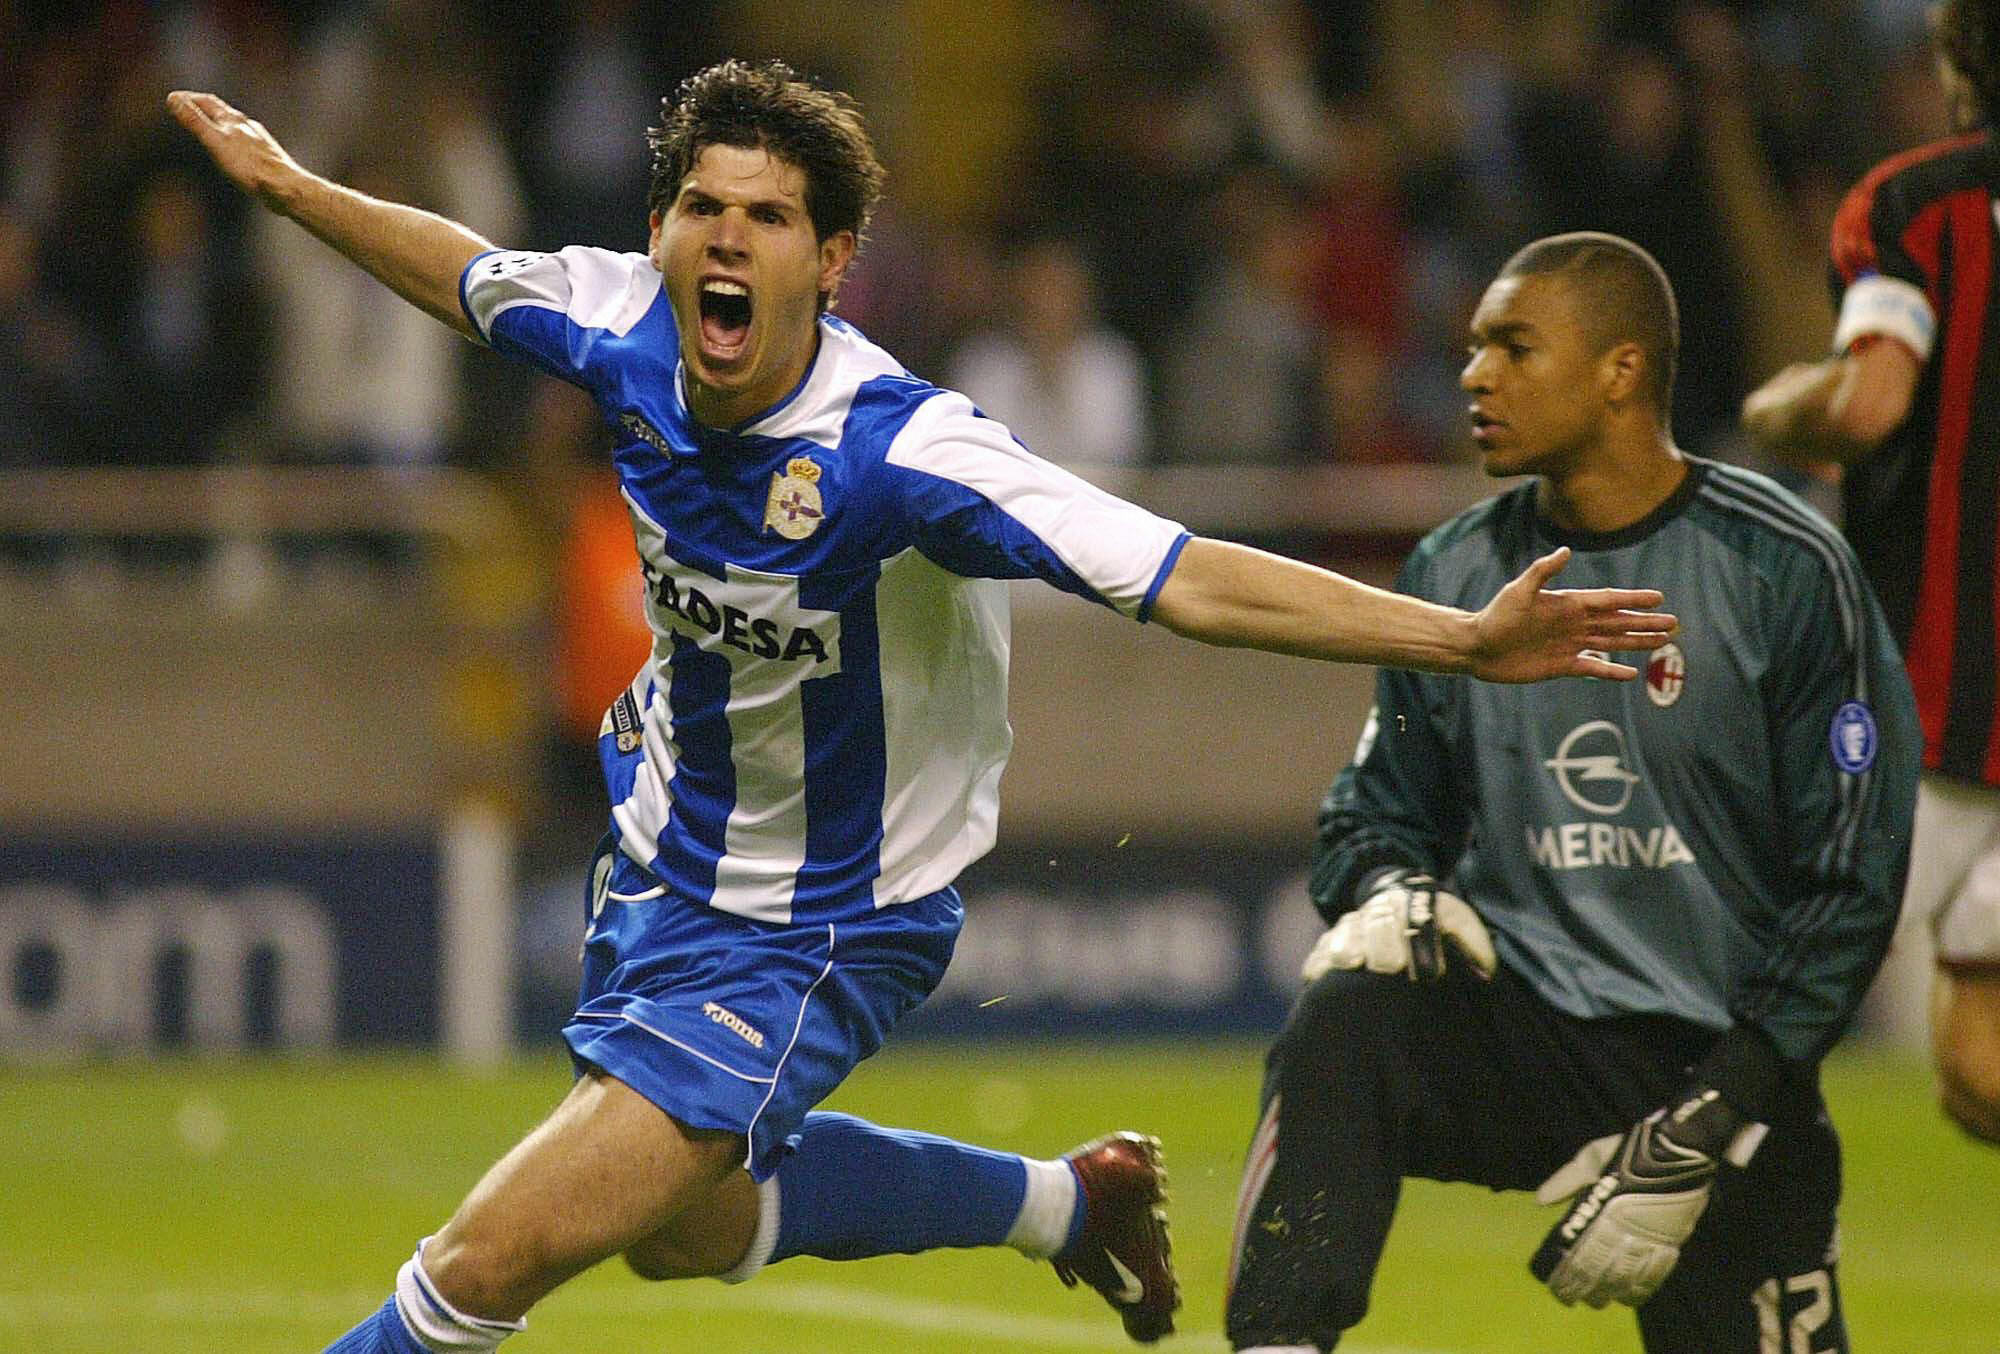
1807 1321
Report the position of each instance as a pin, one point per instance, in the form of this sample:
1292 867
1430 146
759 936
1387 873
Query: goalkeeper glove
1402 927
1646 1189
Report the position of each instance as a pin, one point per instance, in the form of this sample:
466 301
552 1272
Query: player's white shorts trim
1955 869
582 1017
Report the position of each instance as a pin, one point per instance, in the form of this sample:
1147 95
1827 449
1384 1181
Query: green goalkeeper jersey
1724 839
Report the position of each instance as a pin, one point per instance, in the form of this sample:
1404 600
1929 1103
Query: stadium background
310 607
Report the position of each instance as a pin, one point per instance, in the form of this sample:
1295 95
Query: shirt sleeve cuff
1745 1067
1145 612
465 301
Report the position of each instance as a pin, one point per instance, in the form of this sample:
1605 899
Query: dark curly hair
1967 34
767 103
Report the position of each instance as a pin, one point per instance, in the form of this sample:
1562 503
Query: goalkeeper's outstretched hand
1635 1198
1403 927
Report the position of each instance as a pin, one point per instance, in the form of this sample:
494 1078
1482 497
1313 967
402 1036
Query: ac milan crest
1666 674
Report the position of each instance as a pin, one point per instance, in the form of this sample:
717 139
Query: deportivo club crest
1666 674
793 510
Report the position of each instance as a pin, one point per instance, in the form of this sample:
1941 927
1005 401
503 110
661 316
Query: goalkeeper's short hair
1627 297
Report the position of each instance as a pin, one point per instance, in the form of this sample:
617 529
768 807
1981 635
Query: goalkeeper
1594 941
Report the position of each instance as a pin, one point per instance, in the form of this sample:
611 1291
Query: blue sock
382 1333
854 1189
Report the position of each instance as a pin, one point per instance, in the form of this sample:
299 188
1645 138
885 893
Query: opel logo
1590 768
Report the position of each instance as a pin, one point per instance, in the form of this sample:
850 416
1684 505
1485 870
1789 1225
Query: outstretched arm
1836 410
1234 595
418 254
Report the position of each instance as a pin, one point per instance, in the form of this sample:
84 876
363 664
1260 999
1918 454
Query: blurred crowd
1142 232
1236 231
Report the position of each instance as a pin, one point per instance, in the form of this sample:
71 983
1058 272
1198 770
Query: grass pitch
264 1205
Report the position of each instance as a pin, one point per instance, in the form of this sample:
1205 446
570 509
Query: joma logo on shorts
734 1023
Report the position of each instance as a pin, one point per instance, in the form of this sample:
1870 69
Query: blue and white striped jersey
822 724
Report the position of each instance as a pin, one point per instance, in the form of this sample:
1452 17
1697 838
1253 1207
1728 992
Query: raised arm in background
1839 409
417 254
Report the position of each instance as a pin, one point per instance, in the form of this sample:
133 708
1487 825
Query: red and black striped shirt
1921 511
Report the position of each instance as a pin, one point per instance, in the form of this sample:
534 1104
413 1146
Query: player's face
743 273
1536 385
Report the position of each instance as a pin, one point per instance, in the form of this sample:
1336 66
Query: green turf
264 1206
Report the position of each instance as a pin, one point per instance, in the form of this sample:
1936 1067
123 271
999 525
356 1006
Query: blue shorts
740 1025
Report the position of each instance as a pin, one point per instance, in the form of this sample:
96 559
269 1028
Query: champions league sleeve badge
793 510
623 720
1853 738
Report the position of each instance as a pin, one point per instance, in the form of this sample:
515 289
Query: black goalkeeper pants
1376 1078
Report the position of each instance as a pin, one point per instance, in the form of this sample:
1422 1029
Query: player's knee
1338 1018
709 1238
1965 1037
1969 1090
653 1262
664 1257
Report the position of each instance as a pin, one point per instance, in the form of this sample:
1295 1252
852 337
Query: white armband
1890 307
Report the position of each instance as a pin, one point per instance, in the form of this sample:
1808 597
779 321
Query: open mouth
725 316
